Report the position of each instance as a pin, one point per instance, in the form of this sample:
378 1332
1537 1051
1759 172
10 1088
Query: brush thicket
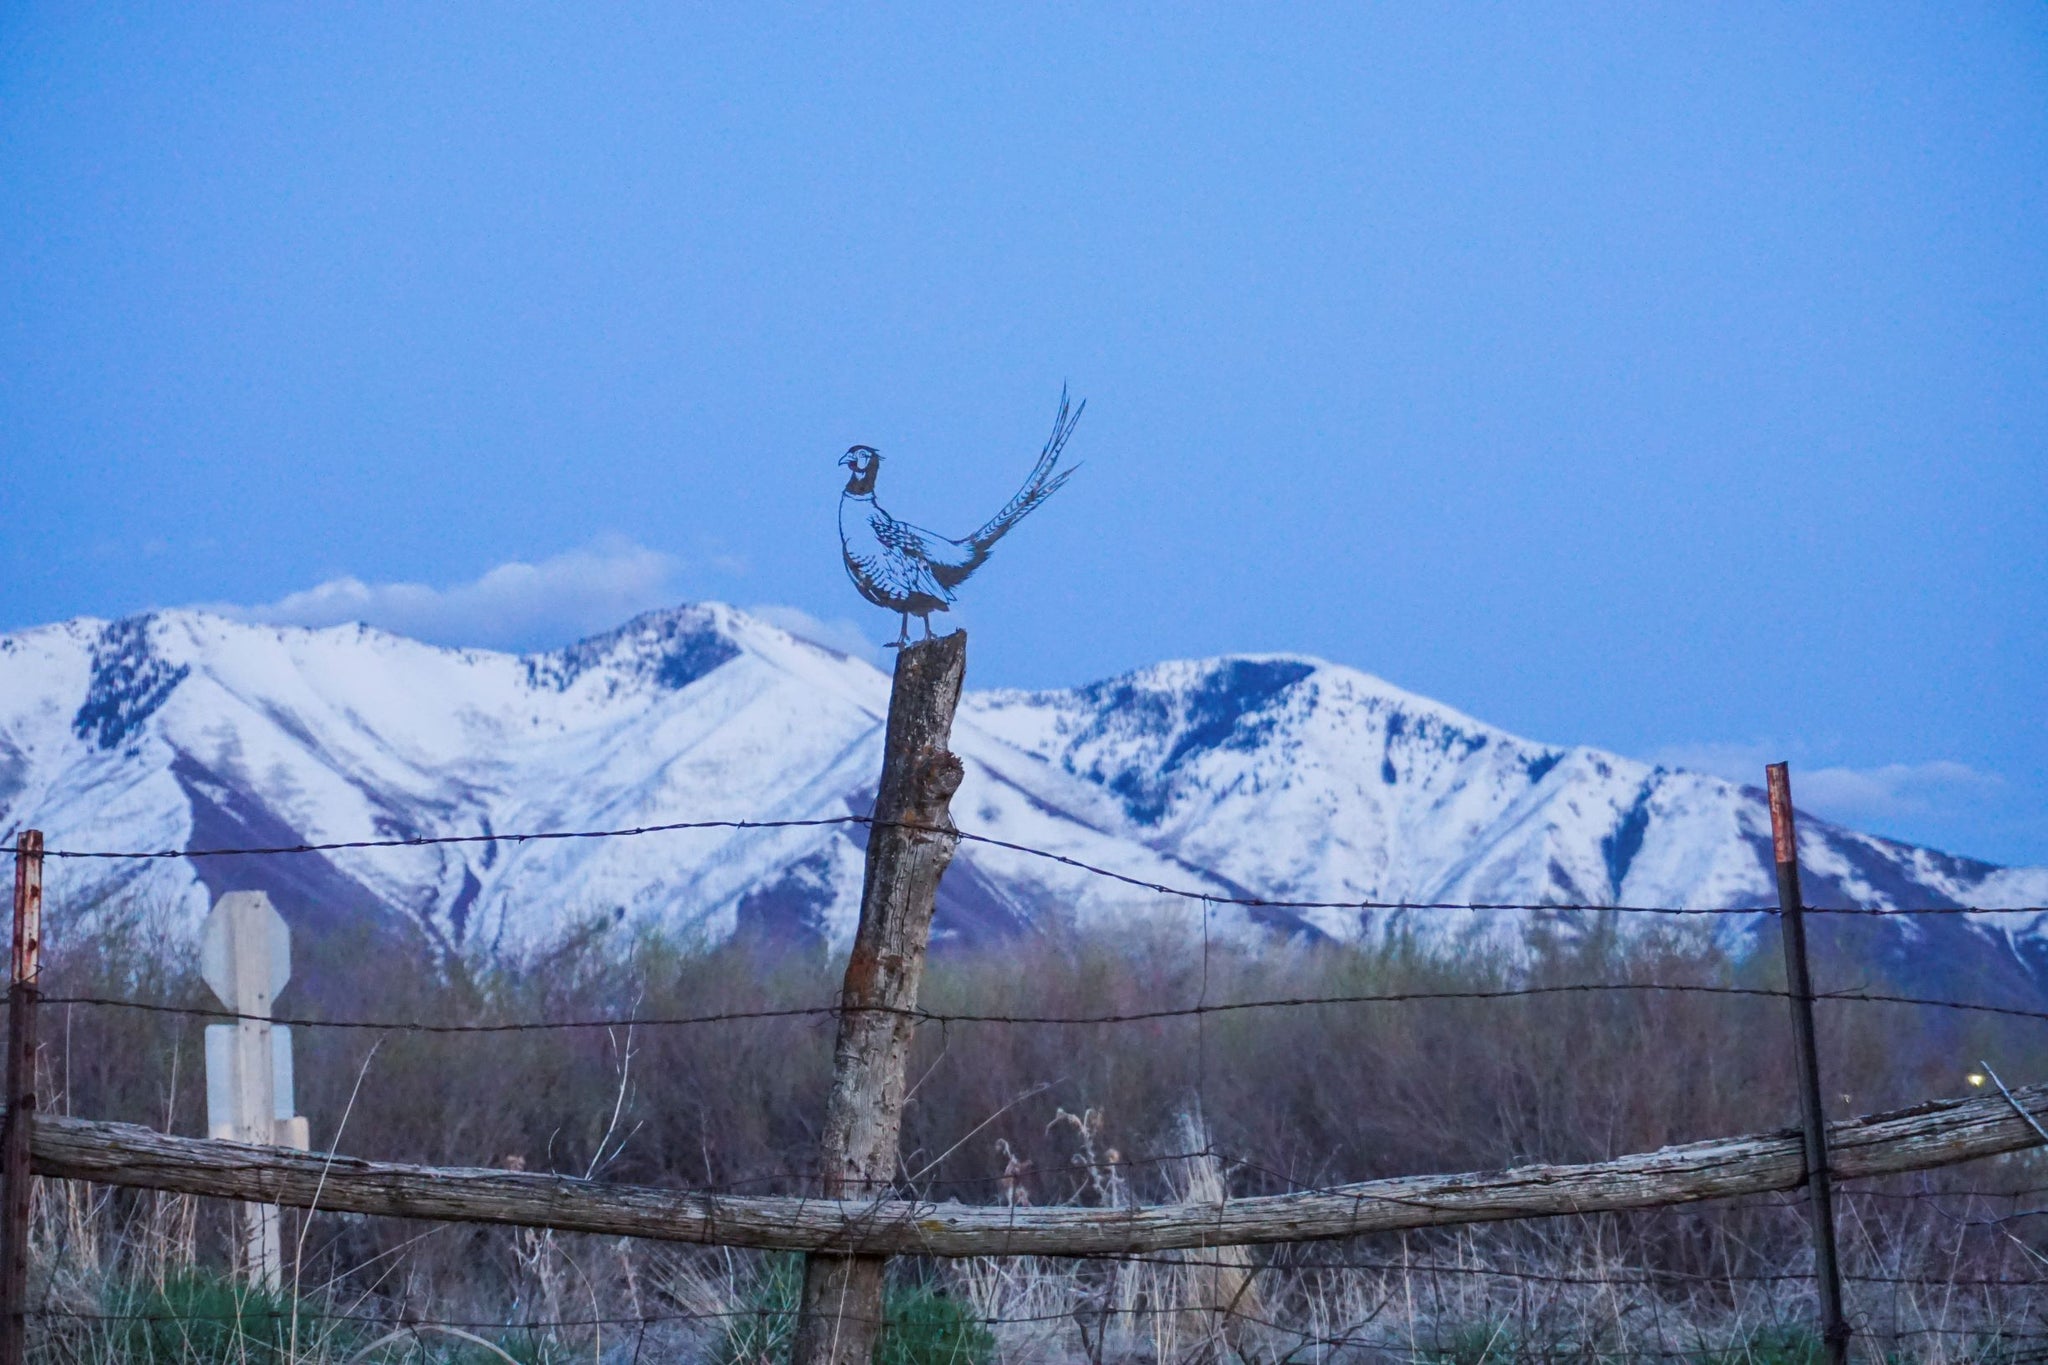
1199 1108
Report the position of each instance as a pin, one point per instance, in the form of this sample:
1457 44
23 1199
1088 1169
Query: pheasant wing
905 566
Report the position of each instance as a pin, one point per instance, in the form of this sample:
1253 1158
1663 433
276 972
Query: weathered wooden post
909 844
22 992
245 954
1820 1198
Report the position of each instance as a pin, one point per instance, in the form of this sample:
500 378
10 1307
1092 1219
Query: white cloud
1896 789
516 605
1889 791
541 605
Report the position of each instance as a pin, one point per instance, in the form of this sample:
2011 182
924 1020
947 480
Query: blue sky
1672 379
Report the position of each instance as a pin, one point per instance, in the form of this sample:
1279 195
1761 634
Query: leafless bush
1223 1104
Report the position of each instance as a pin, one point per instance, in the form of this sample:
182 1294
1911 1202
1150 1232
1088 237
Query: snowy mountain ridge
1270 776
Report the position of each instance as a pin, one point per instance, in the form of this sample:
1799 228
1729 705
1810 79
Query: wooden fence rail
1936 1134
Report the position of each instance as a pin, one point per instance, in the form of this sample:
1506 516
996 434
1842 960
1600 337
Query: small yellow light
1975 1078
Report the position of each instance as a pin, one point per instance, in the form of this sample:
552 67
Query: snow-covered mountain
1273 776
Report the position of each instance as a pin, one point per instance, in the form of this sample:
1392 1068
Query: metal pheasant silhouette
914 571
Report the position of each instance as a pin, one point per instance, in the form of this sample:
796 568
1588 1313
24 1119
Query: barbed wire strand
1436 1349
1202 1008
923 1015
968 836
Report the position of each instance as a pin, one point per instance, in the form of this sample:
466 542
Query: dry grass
1230 1105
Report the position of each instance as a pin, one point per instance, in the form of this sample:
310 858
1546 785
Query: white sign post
246 957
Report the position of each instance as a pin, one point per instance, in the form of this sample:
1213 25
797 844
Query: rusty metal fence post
22 991
1820 1196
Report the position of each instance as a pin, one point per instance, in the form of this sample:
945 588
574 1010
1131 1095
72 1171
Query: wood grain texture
1937 1134
910 844
864 1113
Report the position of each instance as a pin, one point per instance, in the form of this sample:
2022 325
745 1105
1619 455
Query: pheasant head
866 463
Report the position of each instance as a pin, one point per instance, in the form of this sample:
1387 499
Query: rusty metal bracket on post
1820 1195
17 1130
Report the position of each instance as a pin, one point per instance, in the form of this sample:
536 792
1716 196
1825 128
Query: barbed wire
968 836
1650 1280
396 1319
948 1017
1432 1346
1268 903
404 1318
1194 1258
1203 1007
433 840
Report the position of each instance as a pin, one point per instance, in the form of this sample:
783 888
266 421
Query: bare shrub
1221 1105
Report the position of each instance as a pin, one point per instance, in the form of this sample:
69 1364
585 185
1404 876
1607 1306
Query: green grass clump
925 1327
1771 1346
1499 1344
921 1326
195 1318
199 1319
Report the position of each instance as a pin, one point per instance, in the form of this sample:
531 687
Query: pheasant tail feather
1041 484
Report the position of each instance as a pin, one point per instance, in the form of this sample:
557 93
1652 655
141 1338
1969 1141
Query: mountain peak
1275 776
130 681
671 647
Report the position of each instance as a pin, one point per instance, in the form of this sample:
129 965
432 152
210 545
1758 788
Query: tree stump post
839 1319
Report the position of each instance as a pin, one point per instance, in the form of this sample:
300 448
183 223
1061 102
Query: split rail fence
862 1218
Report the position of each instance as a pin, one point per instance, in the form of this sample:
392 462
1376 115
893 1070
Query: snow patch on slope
1272 776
